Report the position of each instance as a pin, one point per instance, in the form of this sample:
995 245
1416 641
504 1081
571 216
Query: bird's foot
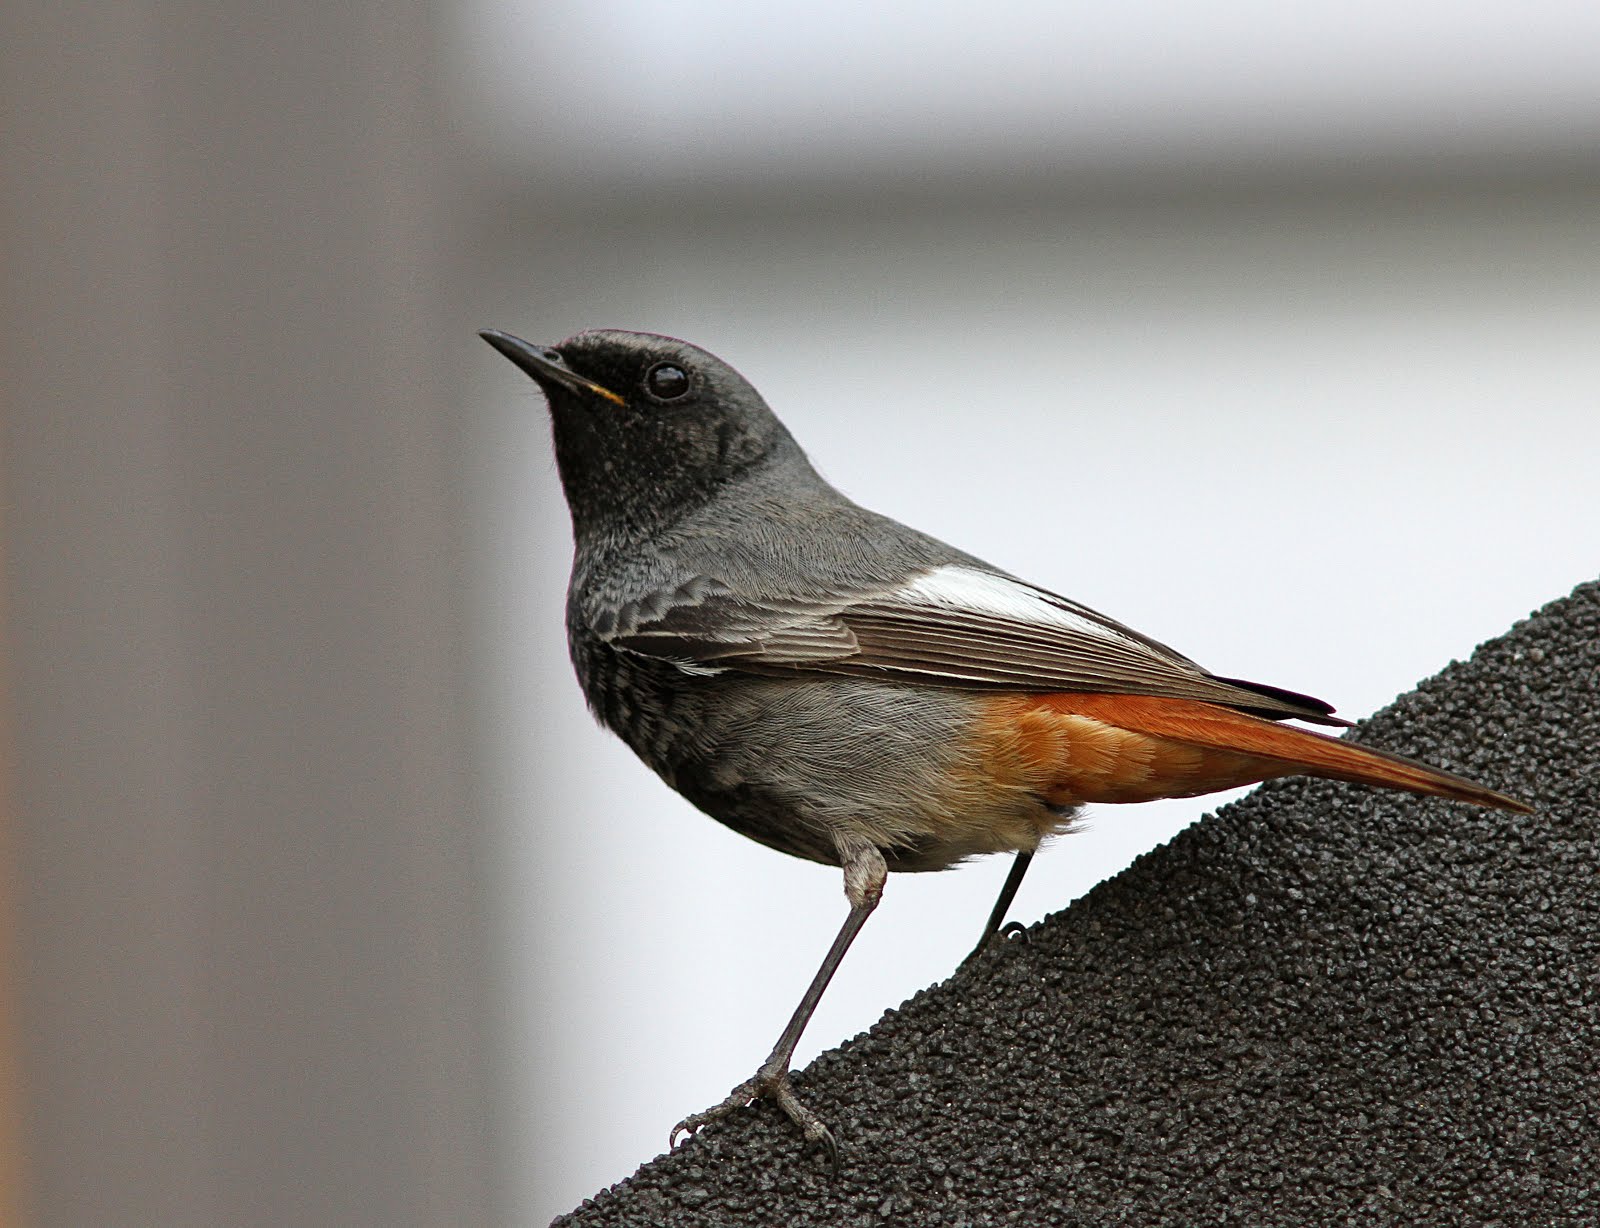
769 1083
1011 931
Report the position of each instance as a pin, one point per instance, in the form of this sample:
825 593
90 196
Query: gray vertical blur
248 945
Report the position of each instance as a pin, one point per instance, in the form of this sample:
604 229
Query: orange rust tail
1300 751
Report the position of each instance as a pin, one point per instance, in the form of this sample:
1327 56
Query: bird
843 688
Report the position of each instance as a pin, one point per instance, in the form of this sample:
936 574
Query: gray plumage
746 629
812 674
843 688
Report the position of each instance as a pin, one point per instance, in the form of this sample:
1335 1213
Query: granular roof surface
1324 1004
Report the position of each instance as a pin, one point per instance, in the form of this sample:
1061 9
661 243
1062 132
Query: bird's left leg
1008 892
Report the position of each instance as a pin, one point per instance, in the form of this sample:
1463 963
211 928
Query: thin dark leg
783 1051
864 875
1002 905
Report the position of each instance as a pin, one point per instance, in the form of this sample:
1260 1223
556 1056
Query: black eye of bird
666 381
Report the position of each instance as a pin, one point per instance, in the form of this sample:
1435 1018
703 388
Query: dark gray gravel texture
1322 1005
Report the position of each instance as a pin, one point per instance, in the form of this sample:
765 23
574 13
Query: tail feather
1300 751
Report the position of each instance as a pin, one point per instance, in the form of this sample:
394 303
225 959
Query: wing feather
954 626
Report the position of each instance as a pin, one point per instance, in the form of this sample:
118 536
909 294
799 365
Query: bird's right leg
864 875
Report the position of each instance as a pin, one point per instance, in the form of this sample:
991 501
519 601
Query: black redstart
846 689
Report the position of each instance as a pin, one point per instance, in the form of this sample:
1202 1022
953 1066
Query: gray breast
785 761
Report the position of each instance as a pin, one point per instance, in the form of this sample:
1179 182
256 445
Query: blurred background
1268 330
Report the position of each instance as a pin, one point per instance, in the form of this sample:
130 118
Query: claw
771 1085
823 1137
690 1125
1013 930
816 1132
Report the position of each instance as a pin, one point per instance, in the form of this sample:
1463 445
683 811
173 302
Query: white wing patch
954 587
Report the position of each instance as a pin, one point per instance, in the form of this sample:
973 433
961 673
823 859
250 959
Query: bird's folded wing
952 626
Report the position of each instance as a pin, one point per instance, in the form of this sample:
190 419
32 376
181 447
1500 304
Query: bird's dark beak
545 366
